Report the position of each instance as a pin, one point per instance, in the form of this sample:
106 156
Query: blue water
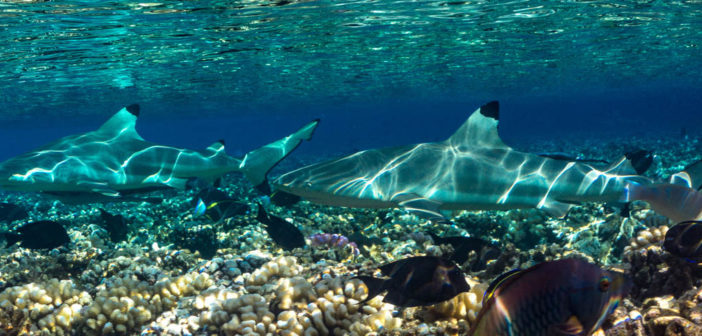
378 73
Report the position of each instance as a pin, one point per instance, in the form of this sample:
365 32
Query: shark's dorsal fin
480 129
216 147
122 123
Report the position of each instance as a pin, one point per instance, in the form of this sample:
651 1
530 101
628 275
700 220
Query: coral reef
54 307
333 240
179 275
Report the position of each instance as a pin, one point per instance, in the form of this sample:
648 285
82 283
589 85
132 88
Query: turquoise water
377 73
591 78
252 56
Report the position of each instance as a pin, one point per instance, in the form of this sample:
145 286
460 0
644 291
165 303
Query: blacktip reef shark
475 170
115 160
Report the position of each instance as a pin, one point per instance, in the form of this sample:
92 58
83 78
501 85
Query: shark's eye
605 282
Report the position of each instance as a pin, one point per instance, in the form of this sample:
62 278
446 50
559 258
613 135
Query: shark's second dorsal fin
216 147
122 123
480 129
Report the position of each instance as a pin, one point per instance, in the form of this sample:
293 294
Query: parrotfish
685 240
563 297
417 281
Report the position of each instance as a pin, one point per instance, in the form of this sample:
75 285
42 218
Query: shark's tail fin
257 163
675 201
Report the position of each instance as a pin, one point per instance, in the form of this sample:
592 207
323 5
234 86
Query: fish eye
605 282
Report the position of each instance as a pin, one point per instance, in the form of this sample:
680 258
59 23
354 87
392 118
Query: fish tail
257 163
675 201
262 214
375 286
10 238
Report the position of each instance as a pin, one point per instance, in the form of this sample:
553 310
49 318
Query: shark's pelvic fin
257 163
421 206
99 187
122 123
555 208
480 129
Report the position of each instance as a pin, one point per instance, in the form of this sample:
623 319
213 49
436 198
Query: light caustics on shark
475 170
115 159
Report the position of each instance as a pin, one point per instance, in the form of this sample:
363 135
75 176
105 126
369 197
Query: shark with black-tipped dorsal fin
115 160
475 170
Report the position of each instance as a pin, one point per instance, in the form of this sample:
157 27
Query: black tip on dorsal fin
640 159
491 110
133 109
221 141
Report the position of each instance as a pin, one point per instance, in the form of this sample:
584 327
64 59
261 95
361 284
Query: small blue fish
217 205
563 297
200 208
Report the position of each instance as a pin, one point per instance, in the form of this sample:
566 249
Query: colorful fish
563 297
217 205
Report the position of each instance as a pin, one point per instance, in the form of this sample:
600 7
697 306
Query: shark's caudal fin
122 123
677 202
258 162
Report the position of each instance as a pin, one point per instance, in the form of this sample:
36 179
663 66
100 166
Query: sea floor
177 274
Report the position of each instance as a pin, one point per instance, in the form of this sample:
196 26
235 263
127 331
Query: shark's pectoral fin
99 187
420 206
555 208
